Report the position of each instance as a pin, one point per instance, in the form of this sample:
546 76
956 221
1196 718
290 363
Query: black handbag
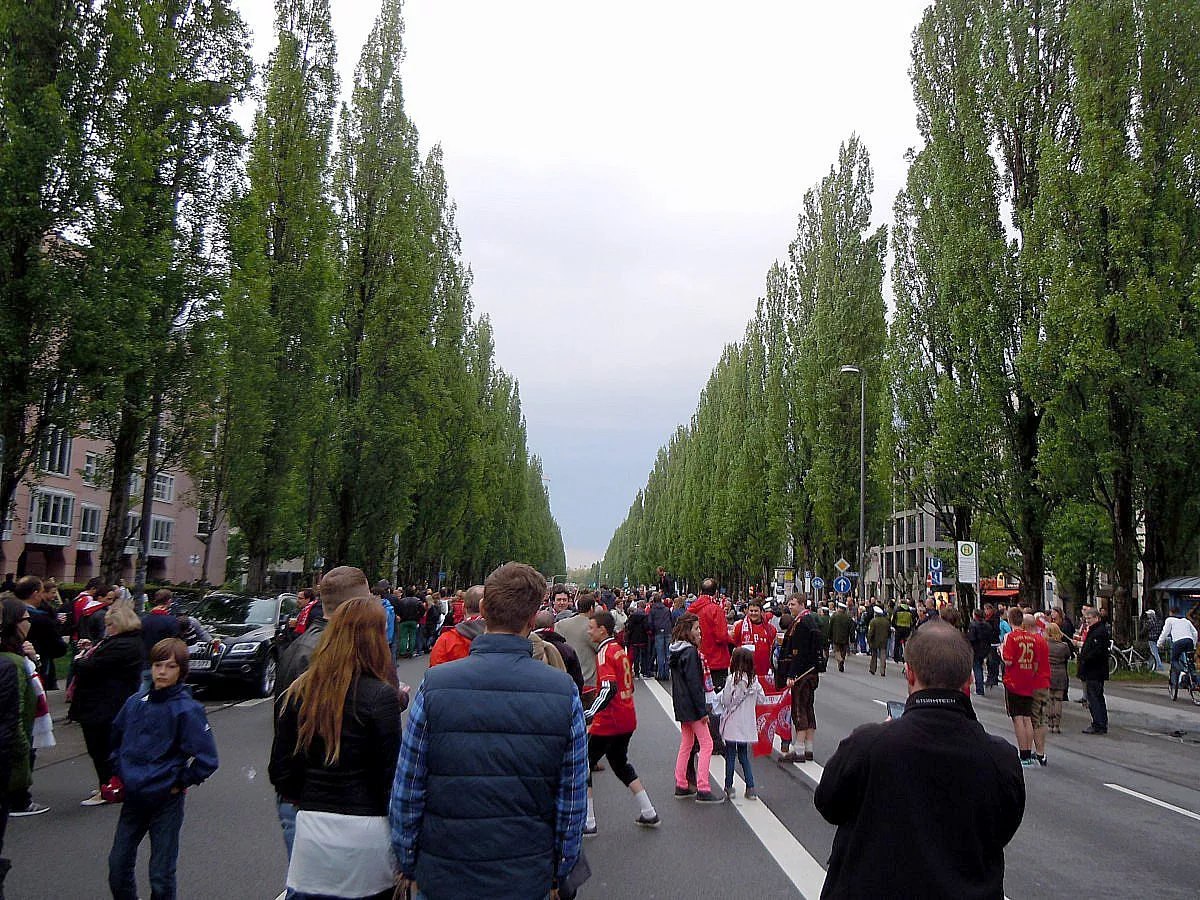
568 889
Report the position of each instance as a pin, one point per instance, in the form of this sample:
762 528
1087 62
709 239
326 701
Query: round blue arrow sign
841 584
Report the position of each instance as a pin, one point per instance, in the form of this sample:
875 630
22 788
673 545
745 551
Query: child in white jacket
739 719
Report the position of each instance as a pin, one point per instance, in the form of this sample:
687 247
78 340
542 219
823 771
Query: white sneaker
95 799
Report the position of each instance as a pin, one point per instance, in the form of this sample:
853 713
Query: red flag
774 717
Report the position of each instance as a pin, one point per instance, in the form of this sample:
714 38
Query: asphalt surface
1079 836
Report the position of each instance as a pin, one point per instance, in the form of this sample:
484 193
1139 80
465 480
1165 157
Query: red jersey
759 639
1026 662
618 715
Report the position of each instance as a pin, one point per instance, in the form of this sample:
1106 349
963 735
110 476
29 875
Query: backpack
390 613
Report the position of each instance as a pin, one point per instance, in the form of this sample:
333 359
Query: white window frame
55 531
7 527
161 545
164 487
136 483
133 529
55 456
85 543
203 522
91 468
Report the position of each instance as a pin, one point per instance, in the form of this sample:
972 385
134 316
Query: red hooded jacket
714 631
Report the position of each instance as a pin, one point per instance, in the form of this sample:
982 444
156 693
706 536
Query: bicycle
1177 676
1129 658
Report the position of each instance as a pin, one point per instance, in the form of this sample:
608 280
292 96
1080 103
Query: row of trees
286 316
1041 374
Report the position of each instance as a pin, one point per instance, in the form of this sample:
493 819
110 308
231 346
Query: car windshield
237 610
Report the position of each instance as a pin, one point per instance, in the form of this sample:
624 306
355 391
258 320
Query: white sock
808 746
591 813
643 800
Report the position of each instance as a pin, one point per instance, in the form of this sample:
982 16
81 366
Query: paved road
1079 835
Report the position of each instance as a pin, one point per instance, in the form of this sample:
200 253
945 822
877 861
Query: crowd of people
528 696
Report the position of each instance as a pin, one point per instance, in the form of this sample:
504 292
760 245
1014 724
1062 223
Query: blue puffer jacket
161 740
498 727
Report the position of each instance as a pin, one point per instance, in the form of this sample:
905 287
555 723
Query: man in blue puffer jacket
490 794
162 745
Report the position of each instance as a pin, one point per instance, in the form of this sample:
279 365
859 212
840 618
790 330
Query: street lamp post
862 477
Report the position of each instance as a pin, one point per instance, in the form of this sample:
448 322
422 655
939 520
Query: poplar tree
165 149
382 325
283 284
48 51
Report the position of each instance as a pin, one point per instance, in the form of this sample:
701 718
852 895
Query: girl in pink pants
688 681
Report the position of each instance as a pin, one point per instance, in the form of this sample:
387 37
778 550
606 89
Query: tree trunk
116 530
152 452
256 573
1125 554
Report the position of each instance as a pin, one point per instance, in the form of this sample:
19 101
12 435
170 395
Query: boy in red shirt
757 635
612 720
1026 666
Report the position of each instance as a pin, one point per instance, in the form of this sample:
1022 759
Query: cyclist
1180 635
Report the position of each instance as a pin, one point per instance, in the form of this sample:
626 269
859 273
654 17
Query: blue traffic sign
818 583
935 564
842 584
935 578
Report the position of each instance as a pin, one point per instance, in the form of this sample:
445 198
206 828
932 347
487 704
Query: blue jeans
1154 654
736 751
1181 654
162 821
287 821
977 667
662 655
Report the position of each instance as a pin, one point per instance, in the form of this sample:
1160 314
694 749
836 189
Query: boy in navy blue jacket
162 745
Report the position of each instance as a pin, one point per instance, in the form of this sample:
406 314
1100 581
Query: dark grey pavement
1078 837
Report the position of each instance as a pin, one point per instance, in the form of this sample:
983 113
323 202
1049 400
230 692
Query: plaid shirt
408 791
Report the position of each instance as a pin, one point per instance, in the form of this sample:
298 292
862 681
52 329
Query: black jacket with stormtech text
924 805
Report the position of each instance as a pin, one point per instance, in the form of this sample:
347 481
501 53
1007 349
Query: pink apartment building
57 519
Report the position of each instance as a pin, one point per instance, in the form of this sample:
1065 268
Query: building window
89 527
50 515
160 536
164 487
135 484
133 532
8 521
91 467
55 458
203 521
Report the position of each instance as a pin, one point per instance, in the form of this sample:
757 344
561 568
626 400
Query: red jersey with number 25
619 716
1026 662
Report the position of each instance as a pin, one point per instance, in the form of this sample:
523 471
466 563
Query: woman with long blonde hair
334 757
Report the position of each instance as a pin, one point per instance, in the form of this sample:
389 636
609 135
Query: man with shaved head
934 772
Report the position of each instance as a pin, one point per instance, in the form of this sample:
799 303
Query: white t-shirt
341 856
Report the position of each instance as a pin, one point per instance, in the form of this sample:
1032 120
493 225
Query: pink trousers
692 732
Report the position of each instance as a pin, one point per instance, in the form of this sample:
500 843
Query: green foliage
772 449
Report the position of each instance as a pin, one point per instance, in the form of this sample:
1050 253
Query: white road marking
1156 802
246 704
282 894
789 854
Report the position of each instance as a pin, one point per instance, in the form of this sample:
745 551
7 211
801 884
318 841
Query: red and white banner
774 718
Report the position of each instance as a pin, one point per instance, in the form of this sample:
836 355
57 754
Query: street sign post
935 578
818 583
935 564
842 584
841 565
968 562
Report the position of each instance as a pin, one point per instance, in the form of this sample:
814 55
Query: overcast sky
625 173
